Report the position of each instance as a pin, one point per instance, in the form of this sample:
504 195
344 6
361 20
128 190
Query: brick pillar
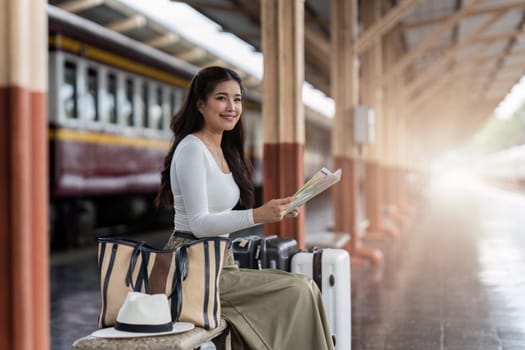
24 260
345 92
372 95
282 26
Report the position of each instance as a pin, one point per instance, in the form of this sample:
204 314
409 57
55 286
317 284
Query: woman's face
223 108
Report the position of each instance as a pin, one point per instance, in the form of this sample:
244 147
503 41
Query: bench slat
182 341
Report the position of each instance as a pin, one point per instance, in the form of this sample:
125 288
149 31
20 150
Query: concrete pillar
24 260
282 26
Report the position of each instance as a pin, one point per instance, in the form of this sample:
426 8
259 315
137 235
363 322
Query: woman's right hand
272 211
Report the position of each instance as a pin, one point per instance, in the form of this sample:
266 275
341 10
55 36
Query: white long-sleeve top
203 195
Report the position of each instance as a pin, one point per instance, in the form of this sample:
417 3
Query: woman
205 176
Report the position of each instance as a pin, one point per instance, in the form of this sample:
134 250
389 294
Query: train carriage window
156 111
145 101
175 101
128 106
112 99
166 108
91 97
68 91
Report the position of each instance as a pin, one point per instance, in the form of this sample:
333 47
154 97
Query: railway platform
455 280
88 89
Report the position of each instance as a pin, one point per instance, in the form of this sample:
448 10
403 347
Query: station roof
477 37
455 34
475 46
474 50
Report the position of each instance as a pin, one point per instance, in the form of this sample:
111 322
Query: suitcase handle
262 260
317 268
264 257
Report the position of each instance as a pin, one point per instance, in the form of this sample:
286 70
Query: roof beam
133 22
317 50
252 82
423 23
431 91
79 5
474 71
163 40
214 62
317 80
514 73
383 25
321 44
194 54
473 12
509 70
242 34
503 36
489 40
494 94
311 18
251 13
495 75
443 85
478 83
501 65
425 77
480 60
409 57
503 85
210 6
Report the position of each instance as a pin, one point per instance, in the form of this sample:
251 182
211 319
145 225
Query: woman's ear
200 104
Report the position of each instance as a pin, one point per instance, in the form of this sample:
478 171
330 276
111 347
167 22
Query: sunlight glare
512 101
453 175
455 178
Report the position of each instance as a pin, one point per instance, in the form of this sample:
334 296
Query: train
110 101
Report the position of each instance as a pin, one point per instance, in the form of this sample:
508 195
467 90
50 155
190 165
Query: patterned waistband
185 234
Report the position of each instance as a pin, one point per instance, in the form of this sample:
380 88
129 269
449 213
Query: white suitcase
330 269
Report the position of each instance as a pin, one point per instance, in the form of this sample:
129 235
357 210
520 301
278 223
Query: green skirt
270 309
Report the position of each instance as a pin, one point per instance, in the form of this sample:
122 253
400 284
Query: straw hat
143 315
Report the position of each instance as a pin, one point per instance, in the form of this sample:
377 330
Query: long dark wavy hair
189 120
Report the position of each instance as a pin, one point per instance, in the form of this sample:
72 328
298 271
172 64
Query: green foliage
497 134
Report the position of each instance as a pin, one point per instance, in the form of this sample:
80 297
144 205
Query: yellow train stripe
91 52
106 139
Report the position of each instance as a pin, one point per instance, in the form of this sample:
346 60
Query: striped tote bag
189 275
201 263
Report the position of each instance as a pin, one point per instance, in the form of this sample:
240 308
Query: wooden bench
182 341
327 240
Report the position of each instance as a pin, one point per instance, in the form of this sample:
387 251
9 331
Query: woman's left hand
293 214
